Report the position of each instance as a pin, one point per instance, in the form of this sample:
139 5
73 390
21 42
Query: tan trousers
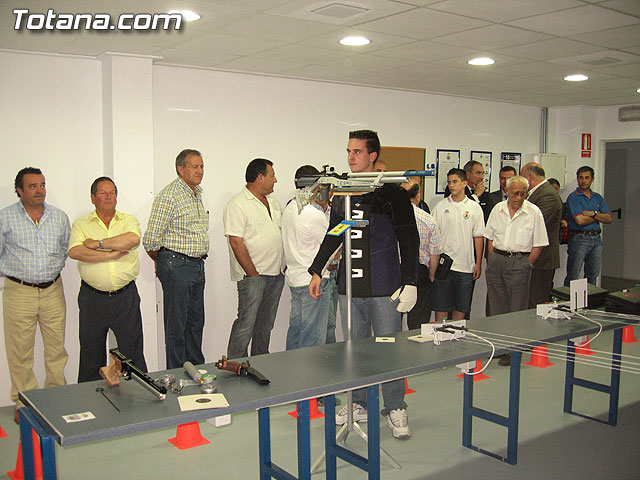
23 307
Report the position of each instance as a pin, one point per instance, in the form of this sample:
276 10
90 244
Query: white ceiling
416 45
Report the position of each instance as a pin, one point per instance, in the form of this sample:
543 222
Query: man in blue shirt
34 237
587 210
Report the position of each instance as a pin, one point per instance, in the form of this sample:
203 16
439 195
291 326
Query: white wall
52 118
234 118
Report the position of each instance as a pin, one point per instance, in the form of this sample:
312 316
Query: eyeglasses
519 194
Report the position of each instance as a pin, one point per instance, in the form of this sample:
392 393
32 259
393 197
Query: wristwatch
595 212
100 244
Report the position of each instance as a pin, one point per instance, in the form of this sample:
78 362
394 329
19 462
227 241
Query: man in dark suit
546 198
499 195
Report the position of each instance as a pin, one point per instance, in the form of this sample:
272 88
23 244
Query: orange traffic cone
584 348
407 390
313 410
627 335
2 432
539 357
18 473
188 436
477 377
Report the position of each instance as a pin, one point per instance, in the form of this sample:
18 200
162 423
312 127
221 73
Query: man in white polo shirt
461 224
252 226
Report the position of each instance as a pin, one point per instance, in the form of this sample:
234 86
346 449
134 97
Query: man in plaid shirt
430 250
177 241
34 237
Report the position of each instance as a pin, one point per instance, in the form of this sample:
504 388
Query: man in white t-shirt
252 226
461 225
302 234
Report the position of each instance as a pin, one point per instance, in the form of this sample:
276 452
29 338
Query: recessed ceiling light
638 90
355 41
576 78
187 15
481 61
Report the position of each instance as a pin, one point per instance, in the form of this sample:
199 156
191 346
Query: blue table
328 369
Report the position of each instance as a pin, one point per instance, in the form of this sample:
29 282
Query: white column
127 101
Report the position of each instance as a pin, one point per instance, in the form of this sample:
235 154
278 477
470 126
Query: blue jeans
182 281
308 317
585 249
258 299
381 314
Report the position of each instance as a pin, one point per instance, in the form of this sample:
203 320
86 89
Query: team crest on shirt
466 214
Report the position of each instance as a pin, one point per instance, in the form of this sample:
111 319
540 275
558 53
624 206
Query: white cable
592 321
596 362
493 350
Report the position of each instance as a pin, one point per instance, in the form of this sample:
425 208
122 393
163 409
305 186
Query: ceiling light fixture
481 61
355 41
187 15
638 90
576 78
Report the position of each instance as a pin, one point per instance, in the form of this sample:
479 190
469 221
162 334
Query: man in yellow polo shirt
104 242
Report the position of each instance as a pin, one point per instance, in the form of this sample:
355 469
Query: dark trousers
182 280
421 312
98 314
540 286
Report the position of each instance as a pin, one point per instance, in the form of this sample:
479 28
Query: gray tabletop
295 375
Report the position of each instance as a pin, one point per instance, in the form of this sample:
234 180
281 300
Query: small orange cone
2 432
407 390
584 348
627 335
18 473
188 436
313 410
477 377
539 357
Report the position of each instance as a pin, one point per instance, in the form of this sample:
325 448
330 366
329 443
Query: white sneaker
398 422
359 414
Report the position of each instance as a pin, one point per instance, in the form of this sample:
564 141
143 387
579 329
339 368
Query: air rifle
311 185
242 369
124 367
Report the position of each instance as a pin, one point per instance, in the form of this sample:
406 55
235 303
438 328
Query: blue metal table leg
569 377
304 441
330 436
28 423
613 389
615 377
510 422
514 408
264 442
373 431
467 411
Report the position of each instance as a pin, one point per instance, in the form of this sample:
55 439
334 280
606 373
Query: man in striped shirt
430 250
177 241
33 249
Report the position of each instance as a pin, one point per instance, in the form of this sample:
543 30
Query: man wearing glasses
516 235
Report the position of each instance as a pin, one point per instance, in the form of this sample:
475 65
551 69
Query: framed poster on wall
511 159
445 161
485 159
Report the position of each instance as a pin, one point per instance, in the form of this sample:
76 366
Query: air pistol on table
124 367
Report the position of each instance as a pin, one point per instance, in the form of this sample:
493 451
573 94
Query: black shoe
505 360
